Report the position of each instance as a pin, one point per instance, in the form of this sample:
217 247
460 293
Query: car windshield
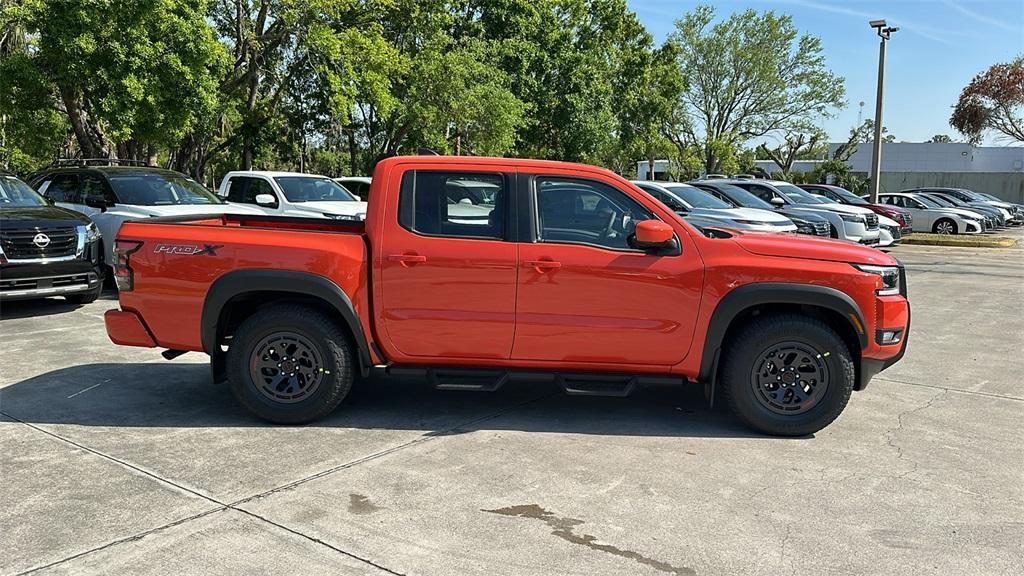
941 201
313 189
928 202
159 189
973 195
848 197
696 197
16 194
742 197
797 195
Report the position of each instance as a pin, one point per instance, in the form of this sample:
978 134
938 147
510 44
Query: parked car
846 222
1017 209
890 232
357 185
967 199
844 196
929 216
805 222
45 250
291 194
993 217
112 195
577 276
687 200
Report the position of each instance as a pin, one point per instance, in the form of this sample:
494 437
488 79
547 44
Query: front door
243 190
586 295
447 273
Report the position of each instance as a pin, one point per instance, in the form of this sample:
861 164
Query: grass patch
968 240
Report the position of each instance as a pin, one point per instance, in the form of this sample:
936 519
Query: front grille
19 244
822 229
872 221
894 231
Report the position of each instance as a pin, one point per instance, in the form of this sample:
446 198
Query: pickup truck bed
556 270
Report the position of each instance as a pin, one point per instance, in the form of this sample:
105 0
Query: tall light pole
884 31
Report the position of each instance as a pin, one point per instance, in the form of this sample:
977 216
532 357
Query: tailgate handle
407 259
542 265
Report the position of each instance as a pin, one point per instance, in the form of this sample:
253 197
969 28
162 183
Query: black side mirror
98 202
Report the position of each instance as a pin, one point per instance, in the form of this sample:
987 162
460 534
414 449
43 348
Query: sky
940 46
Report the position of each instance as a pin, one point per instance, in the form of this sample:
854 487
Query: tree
749 75
792 147
128 77
992 102
940 139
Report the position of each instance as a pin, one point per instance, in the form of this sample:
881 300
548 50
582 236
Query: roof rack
99 162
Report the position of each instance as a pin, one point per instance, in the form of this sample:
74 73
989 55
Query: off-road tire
743 353
322 333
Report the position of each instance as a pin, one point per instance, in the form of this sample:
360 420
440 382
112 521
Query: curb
973 241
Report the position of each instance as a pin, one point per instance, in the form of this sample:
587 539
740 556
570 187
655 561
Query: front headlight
890 276
92 233
854 218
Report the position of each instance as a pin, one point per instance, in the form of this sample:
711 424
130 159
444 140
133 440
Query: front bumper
31 281
891 313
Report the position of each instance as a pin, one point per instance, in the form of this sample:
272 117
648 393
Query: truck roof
483 160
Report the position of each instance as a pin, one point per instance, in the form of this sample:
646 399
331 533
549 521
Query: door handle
407 259
542 265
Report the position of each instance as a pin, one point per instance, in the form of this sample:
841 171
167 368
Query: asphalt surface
115 461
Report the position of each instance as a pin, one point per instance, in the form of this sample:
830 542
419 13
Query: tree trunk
352 151
650 167
80 126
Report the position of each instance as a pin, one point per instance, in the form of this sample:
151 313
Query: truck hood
809 248
341 208
184 209
752 214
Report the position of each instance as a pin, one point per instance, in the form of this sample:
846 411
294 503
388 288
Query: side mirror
777 202
653 234
98 202
266 199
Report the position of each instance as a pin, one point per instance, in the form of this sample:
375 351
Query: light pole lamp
884 31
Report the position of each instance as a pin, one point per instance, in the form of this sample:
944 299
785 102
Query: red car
843 196
555 270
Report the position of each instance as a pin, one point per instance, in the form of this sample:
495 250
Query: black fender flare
240 282
761 293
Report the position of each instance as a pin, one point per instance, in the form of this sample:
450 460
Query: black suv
45 250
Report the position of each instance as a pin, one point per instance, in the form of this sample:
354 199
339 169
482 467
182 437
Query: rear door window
63 188
453 204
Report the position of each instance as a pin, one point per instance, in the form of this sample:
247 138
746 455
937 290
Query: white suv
291 194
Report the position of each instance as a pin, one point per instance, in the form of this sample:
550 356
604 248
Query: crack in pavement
234 505
956 390
890 435
564 528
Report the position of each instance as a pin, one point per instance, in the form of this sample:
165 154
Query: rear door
447 273
63 189
585 295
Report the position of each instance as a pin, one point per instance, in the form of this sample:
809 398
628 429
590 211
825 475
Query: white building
929 157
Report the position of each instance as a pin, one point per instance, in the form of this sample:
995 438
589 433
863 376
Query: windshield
696 197
313 189
928 201
16 194
848 197
797 195
742 197
159 189
941 201
973 195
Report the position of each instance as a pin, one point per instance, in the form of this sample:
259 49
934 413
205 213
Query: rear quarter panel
170 288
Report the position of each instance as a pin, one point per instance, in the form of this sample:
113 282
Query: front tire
944 226
787 375
290 364
85 297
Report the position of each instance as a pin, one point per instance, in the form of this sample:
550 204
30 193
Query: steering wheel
609 229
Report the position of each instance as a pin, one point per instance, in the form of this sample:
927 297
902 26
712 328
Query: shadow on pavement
182 395
44 306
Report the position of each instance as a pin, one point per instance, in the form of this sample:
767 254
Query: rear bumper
127 329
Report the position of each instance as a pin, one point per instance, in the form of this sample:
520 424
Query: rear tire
290 364
787 375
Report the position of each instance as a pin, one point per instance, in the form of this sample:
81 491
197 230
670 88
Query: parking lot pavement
117 461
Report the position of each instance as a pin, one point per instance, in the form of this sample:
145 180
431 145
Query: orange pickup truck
476 271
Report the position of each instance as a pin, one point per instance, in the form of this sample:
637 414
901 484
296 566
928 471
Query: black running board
574 383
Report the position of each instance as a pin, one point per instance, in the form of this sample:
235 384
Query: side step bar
577 384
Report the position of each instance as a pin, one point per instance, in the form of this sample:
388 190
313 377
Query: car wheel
85 297
787 375
290 364
944 226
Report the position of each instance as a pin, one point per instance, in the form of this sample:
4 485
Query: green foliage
749 75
